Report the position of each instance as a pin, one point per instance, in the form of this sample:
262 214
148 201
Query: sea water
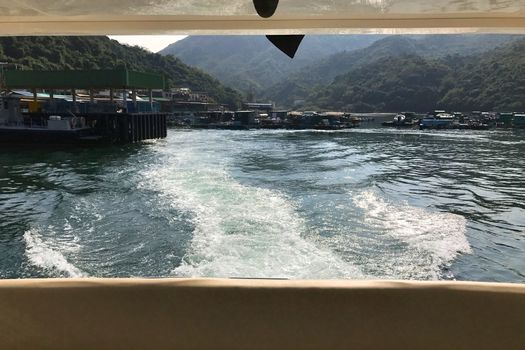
370 203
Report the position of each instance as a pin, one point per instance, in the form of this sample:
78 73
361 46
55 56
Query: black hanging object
286 43
265 8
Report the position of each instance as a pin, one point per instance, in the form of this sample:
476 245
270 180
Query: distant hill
494 80
405 82
70 52
252 63
303 82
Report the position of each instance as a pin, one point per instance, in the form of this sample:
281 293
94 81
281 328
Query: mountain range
369 73
251 63
486 80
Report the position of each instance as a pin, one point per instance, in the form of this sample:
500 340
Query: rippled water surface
364 203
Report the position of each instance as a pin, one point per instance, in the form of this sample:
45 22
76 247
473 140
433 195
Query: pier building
115 106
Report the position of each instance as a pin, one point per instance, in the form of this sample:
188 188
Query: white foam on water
434 239
47 255
506 142
445 134
239 230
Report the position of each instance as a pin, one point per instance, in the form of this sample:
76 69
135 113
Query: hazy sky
153 43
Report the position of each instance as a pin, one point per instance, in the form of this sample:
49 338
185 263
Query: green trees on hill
493 80
389 84
102 53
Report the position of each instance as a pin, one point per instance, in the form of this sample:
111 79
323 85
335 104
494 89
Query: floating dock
120 116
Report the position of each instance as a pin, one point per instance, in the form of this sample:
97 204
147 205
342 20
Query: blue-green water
363 203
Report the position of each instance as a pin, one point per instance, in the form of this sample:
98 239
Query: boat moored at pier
403 120
456 121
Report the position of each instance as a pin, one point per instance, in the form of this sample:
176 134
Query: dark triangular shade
286 43
265 8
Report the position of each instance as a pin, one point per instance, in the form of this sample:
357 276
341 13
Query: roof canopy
29 17
82 79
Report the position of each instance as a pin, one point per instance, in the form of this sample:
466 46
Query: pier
83 105
111 127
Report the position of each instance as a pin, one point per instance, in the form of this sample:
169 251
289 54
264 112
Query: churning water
361 203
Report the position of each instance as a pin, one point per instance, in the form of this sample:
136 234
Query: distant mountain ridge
100 52
253 66
300 84
251 63
492 81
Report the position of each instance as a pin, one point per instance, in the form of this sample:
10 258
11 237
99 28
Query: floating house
245 119
505 119
260 107
519 120
511 120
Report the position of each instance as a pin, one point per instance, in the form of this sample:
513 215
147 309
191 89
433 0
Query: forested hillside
253 66
251 63
492 81
489 82
314 77
70 52
406 82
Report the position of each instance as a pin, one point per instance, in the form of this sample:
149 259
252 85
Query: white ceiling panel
29 17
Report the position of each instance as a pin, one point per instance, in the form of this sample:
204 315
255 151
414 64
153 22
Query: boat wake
239 230
47 256
419 243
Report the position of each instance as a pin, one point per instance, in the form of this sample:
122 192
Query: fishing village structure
80 106
123 106
264 116
475 120
268 118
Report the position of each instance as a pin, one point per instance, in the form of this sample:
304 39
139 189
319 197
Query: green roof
82 79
